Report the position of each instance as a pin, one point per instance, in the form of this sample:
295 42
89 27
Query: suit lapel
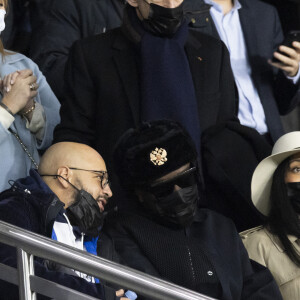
249 28
196 55
127 67
118 7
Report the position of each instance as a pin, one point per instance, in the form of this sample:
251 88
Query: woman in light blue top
29 111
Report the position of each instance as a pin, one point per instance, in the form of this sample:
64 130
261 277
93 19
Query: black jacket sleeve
64 23
228 89
79 106
240 277
286 93
126 252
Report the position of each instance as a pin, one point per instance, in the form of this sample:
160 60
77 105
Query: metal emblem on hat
158 156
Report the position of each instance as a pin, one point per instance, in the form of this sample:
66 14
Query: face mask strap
55 177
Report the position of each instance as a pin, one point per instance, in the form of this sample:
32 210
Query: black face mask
162 21
178 208
84 212
293 189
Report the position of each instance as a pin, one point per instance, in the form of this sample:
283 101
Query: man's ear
66 173
133 3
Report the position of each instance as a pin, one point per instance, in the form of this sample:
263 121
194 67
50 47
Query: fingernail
7 89
11 82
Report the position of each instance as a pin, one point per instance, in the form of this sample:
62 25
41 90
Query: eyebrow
296 159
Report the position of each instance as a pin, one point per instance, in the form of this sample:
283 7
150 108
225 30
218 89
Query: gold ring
33 86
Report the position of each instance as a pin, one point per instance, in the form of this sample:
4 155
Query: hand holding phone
292 36
287 56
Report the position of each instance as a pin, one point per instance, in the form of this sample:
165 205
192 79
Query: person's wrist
10 106
28 107
6 108
27 112
291 74
294 74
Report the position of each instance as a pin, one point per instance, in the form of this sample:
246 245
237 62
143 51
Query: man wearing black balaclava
152 67
168 235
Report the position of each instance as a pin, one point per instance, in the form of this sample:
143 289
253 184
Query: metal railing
29 244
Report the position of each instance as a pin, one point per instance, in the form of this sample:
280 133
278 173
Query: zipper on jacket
191 265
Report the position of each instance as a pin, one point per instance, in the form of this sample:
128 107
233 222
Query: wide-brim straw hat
262 178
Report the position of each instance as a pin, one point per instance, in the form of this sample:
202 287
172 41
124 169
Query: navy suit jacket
262 32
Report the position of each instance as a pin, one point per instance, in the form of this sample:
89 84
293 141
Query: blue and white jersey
65 233
70 235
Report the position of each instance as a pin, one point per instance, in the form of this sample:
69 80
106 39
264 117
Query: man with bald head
71 182
68 168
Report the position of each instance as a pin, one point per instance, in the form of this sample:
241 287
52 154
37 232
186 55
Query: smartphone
292 36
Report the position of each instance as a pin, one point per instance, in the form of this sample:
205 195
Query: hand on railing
121 293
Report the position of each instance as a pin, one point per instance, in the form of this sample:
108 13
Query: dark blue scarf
167 87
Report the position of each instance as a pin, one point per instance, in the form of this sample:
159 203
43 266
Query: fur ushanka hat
151 151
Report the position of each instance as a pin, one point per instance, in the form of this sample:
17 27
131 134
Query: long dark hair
283 219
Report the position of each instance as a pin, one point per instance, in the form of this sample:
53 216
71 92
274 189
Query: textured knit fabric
184 263
207 257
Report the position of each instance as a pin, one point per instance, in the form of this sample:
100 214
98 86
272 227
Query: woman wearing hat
275 191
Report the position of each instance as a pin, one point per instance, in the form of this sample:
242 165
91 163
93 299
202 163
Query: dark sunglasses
166 187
